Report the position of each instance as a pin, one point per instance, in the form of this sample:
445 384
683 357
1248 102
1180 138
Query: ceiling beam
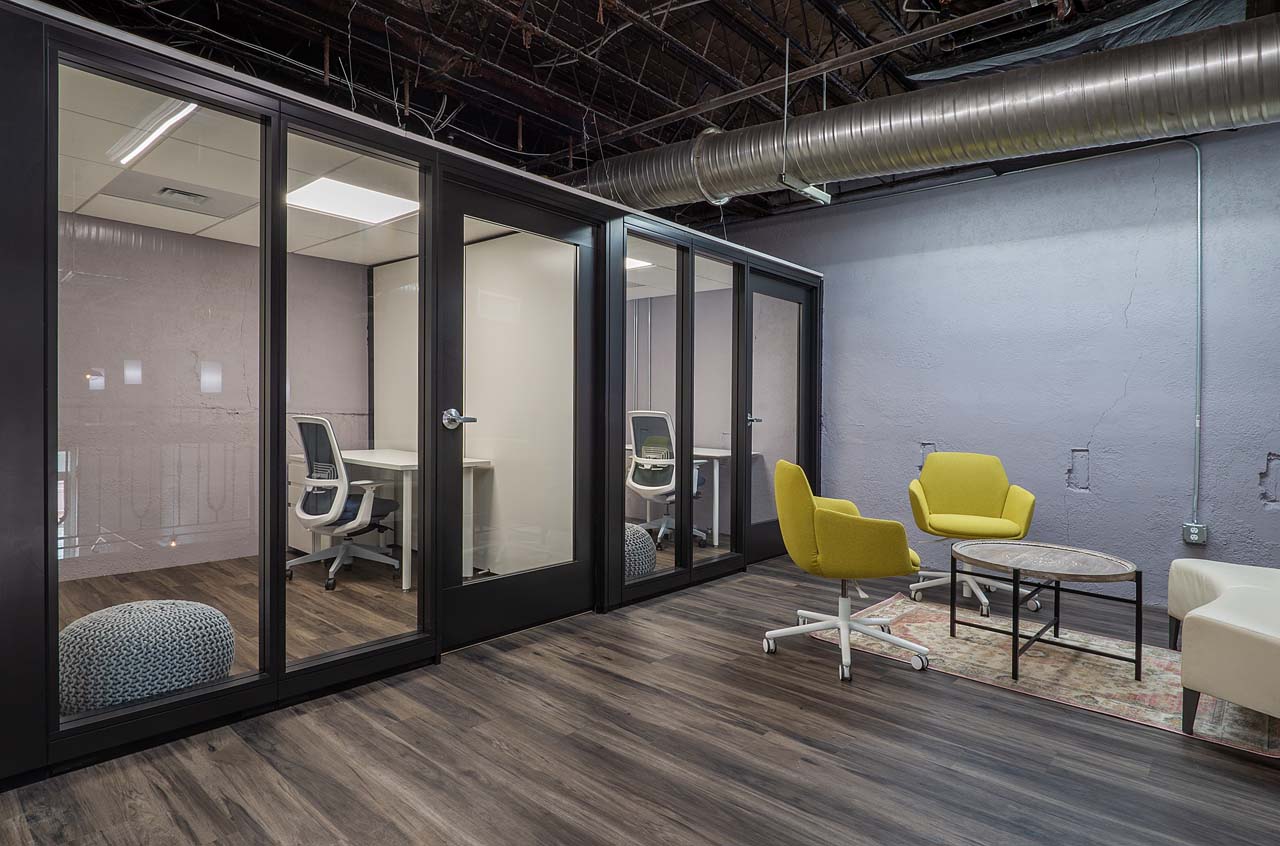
840 19
677 48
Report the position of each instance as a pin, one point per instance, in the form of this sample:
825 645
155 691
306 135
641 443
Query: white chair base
342 554
665 525
971 584
843 619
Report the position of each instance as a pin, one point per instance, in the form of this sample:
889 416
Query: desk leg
406 529
715 502
1017 623
468 523
953 596
1137 626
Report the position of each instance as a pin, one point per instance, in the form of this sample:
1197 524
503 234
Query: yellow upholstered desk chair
829 538
966 495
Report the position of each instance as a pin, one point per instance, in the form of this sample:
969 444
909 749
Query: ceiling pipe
1223 78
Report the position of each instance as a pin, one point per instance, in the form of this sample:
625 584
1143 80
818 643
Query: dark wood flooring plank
664 723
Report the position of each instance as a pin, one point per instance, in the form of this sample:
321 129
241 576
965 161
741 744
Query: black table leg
1017 623
953 596
1137 626
1057 609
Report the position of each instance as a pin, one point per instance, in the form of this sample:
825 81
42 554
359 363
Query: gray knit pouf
639 555
140 649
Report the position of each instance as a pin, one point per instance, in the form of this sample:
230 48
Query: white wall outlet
1195 533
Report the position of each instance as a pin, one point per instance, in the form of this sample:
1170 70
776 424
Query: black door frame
502 604
37 742
764 540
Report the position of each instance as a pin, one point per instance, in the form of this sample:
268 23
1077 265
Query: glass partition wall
680 342
652 481
713 397
158 397
351 398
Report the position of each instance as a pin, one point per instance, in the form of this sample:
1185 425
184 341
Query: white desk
405 462
713 455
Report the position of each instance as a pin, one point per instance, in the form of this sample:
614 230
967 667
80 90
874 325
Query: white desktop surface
405 462
715 455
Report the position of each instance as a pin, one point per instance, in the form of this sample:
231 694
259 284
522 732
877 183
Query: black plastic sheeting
1162 19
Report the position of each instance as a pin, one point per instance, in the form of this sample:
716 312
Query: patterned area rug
1062 675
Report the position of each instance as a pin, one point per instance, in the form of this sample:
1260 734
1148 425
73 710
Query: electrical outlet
1195 533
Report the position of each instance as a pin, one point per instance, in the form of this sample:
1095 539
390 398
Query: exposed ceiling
539 83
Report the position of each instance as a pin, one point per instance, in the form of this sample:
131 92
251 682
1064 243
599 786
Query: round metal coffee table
1045 566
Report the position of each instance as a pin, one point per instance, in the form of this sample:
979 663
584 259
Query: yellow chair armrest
919 505
844 506
1019 506
852 547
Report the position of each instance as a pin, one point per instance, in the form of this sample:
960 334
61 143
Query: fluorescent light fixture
155 134
351 202
636 264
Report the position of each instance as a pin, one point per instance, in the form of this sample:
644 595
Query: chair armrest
1019 506
919 505
843 506
853 547
369 484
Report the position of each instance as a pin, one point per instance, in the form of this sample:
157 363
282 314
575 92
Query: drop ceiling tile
221 132
307 228
242 229
78 180
316 157
199 165
475 229
97 96
377 175
406 224
371 246
147 214
88 138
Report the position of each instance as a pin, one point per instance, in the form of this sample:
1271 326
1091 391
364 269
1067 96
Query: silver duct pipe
1223 78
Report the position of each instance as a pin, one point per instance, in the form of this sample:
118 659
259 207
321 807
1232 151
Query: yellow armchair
967 495
830 538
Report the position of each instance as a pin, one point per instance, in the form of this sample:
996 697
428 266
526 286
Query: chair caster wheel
770 646
919 662
657 545
288 575
1034 605
846 673
984 610
917 596
330 583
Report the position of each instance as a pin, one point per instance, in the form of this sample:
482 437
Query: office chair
652 473
327 506
966 495
829 538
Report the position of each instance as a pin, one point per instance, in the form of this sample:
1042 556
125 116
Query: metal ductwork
1223 78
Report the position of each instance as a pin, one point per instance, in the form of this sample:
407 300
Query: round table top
1045 560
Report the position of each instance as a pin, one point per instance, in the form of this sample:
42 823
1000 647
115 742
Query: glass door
514 414
781 399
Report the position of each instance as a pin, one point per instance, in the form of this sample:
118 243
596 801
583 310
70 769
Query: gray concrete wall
1036 314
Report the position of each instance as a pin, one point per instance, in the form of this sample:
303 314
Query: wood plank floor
368 603
663 723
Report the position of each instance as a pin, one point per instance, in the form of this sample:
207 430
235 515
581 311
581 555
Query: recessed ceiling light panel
636 264
351 202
